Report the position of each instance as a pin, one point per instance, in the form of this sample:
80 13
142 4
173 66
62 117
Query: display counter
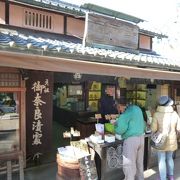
86 126
67 117
108 158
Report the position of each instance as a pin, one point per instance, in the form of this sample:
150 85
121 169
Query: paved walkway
43 172
48 172
151 174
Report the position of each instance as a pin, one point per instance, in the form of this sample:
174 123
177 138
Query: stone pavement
151 174
48 172
43 172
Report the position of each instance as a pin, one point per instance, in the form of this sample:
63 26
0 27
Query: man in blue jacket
131 126
107 104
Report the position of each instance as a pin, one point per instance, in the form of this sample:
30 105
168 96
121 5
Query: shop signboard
39 112
87 168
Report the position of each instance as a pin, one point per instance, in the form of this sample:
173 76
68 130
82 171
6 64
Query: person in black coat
107 104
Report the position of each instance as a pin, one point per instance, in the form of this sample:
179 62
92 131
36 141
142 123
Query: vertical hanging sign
38 102
39 112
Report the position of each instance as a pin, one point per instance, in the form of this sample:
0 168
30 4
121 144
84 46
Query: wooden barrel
68 169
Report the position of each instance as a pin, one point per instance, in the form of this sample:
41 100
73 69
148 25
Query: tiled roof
72 9
112 13
66 7
56 5
150 29
29 42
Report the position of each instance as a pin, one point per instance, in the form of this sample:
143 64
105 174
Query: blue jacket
130 123
107 105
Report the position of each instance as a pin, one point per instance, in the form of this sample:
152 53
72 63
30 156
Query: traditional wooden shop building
56 60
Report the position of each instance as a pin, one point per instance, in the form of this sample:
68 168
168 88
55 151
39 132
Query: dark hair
122 101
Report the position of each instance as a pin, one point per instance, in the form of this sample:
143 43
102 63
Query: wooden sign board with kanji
87 168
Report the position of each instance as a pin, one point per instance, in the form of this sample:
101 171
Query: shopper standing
107 104
166 120
131 126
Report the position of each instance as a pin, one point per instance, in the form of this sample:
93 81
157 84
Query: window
145 42
37 20
12 114
69 97
9 79
9 122
74 90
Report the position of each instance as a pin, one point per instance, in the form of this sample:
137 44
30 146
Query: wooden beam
23 120
7 12
56 64
10 89
65 24
9 170
10 70
10 156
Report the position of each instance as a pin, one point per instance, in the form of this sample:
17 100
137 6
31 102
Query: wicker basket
68 169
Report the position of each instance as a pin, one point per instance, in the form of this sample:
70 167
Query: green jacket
130 123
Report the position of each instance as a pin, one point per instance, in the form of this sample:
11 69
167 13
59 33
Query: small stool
9 157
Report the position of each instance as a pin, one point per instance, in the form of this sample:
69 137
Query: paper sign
100 128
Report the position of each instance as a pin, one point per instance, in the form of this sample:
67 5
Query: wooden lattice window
9 79
37 20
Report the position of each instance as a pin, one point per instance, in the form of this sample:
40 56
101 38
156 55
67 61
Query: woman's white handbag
158 140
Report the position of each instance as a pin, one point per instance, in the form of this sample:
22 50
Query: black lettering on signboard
87 168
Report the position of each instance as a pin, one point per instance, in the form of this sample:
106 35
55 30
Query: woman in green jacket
131 126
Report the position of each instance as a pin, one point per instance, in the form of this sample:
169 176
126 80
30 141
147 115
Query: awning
57 64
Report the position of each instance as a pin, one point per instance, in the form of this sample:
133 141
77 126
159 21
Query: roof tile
37 42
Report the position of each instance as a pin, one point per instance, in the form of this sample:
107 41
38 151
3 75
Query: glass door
9 122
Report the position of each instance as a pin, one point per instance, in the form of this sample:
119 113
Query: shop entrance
75 99
78 99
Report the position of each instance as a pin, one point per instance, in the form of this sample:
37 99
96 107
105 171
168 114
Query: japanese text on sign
38 102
